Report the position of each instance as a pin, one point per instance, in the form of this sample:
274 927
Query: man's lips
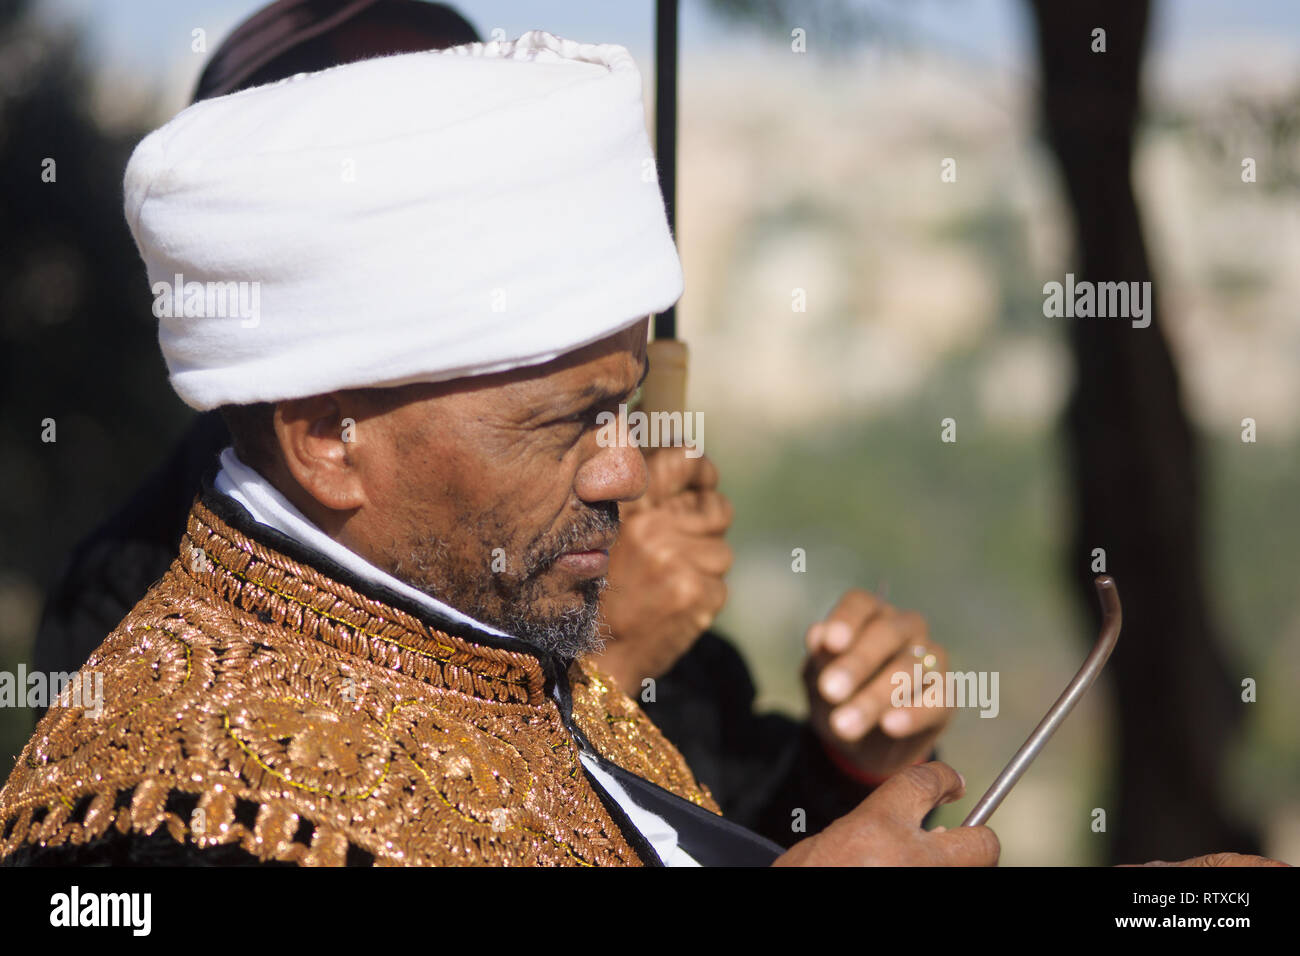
584 564
591 560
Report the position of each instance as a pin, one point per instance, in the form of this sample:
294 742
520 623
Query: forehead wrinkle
531 401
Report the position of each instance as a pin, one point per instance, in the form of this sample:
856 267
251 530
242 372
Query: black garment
760 767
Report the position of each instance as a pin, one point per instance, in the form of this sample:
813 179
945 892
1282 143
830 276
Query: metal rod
1112 617
666 132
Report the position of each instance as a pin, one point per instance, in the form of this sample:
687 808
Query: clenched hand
885 829
666 569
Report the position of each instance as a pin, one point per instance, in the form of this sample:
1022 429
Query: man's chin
551 610
566 625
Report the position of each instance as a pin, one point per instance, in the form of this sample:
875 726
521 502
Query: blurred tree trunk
1133 462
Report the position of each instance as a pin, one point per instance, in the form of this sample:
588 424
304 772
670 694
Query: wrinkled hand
666 569
885 829
852 656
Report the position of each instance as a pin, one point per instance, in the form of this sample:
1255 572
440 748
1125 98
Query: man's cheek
506 560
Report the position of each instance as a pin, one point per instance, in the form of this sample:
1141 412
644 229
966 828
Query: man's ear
310 433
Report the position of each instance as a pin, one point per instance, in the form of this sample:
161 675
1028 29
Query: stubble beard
508 600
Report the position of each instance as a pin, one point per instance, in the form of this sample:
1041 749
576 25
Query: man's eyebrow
598 393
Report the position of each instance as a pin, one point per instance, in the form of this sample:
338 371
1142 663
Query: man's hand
666 569
885 829
852 656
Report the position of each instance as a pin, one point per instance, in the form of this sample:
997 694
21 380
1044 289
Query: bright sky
151 38
136 35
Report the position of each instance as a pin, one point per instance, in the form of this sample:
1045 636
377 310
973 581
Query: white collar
267 506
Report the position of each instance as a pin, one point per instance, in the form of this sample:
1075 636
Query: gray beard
503 601
568 636
571 635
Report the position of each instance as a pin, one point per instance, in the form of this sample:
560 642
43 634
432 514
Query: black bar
1005 906
666 131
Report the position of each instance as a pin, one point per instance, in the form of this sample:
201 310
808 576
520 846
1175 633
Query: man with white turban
411 284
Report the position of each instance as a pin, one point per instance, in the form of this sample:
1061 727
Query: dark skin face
490 493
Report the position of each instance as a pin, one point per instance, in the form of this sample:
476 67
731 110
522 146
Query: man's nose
612 474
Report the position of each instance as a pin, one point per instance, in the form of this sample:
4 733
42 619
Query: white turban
411 218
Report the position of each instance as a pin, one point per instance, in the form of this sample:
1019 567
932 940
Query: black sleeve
761 768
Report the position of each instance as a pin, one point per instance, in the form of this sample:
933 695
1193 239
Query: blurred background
811 140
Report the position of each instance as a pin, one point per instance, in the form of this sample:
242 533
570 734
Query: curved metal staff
1112 617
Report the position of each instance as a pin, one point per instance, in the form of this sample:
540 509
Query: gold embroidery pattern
251 700
620 730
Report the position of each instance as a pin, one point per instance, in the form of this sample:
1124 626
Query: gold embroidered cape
252 700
